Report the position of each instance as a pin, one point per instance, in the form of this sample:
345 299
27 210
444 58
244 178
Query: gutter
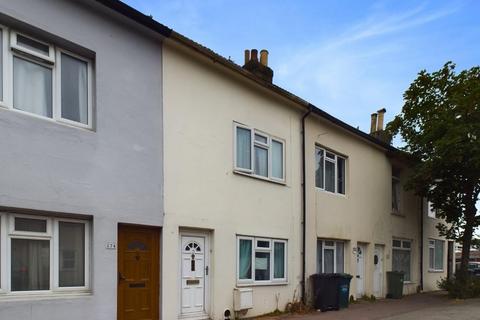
304 205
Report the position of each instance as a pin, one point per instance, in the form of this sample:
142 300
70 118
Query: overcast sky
349 58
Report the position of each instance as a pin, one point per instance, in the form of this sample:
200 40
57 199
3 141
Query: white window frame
431 212
404 248
14 45
268 146
11 49
334 247
271 250
432 245
7 233
335 163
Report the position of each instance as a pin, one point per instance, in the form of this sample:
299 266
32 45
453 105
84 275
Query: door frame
382 285
206 290
157 257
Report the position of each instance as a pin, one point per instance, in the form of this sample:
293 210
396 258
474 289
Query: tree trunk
470 213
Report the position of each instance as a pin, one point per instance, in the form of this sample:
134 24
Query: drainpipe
421 243
304 203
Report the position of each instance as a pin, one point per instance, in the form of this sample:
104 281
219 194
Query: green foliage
440 125
461 290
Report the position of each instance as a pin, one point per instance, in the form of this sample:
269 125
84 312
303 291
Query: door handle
206 270
121 277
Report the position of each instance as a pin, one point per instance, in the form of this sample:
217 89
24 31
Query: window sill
241 173
49 295
409 282
331 193
398 214
60 121
260 284
435 271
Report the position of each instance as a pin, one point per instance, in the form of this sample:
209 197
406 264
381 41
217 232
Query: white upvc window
258 154
261 260
431 212
402 256
330 256
435 254
43 255
329 171
40 79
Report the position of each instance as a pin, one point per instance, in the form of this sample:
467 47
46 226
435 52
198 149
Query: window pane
262 266
30 225
261 139
30 265
32 87
74 89
330 155
341 175
244 148
330 176
279 260
277 159
395 195
245 259
439 255
71 254
263 244
401 262
261 161
329 260
406 244
32 45
431 254
339 257
396 243
319 256
319 168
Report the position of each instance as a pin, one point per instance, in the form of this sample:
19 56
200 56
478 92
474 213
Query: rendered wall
201 191
113 173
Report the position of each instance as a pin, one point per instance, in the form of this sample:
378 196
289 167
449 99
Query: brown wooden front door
138 273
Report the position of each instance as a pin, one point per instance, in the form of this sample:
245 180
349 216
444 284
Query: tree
440 125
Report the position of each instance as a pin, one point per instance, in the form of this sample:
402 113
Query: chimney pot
254 55
381 114
373 123
264 57
247 56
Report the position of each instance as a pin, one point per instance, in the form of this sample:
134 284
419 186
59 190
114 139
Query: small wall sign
111 245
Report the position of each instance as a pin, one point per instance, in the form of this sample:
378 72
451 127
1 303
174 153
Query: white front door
360 277
193 256
378 271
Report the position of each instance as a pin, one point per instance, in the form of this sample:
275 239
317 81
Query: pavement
423 306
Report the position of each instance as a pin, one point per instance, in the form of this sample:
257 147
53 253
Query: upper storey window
43 80
259 154
329 171
396 191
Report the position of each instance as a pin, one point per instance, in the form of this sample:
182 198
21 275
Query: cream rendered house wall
201 102
363 214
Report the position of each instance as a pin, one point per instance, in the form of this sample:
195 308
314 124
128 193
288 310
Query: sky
349 58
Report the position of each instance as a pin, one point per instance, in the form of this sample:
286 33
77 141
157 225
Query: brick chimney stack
376 126
258 68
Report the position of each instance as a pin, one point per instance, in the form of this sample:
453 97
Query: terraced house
144 176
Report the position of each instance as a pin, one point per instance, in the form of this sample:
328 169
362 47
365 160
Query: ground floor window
261 260
435 252
330 256
43 254
401 257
